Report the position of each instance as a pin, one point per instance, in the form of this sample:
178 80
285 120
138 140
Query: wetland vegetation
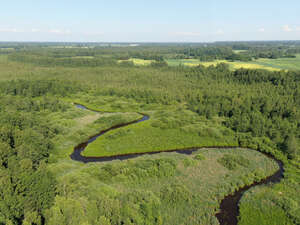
189 106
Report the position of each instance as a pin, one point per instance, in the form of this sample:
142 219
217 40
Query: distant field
269 64
197 62
69 46
79 57
239 51
83 57
250 65
138 62
232 65
282 63
186 62
7 49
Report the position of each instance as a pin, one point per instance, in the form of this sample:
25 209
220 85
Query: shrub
138 171
175 193
199 157
231 162
188 162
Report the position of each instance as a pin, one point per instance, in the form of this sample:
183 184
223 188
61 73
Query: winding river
229 206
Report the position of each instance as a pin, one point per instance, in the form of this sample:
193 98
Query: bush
231 162
138 171
199 157
175 193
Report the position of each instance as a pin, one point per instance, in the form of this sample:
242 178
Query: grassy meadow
252 212
164 130
281 63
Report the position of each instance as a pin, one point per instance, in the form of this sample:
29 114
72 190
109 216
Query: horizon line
153 42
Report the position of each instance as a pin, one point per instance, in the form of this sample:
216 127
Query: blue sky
149 21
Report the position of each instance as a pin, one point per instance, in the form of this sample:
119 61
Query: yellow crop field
234 65
138 62
196 62
239 65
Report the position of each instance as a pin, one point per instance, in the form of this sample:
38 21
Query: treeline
42 60
271 50
98 54
207 53
28 104
272 53
37 88
108 56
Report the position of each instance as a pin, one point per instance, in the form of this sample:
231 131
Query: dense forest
188 106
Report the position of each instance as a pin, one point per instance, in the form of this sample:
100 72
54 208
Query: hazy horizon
147 42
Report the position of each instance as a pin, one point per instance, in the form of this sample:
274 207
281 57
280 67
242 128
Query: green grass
259 206
166 130
277 204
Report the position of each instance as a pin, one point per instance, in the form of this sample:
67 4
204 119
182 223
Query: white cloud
261 29
93 33
287 28
11 30
220 32
58 31
34 30
55 31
